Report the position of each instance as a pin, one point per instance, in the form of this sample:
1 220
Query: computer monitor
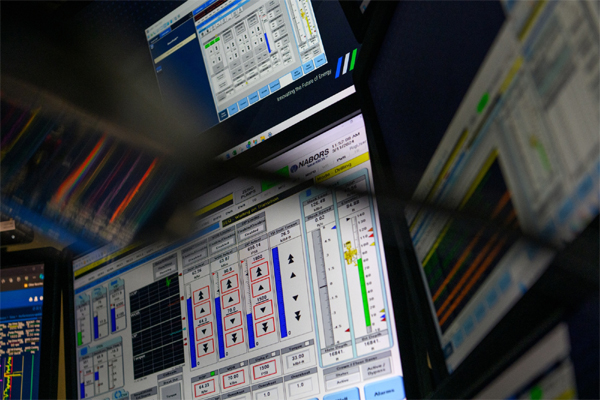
282 292
514 173
251 68
30 320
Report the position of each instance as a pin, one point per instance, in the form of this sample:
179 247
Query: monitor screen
258 65
282 292
21 295
520 155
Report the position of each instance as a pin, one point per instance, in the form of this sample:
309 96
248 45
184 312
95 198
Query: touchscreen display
21 298
258 66
521 154
282 292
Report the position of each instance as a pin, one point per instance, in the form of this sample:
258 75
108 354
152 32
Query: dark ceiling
92 54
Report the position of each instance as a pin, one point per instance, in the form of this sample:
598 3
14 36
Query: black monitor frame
219 172
359 20
428 366
50 334
70 339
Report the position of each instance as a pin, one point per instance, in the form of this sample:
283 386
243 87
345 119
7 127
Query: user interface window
22 295
522 151
282 292
284 60
250 48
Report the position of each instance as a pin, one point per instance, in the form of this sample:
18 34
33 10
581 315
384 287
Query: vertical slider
191 332
278 288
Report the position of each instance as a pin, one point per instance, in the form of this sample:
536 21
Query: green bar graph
363 289
79 339
31 386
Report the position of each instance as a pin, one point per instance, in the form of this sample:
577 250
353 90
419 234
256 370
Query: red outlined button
234 338
205 348
261 287
201 295
204 388
259 271
234 378
264 327
232 320
230 299
268 368
229 283
204 331
202 310
263 309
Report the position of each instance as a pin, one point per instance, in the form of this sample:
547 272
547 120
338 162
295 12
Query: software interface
21 298
282 292
217 58
522 151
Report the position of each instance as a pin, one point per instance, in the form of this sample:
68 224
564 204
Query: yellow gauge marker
303 15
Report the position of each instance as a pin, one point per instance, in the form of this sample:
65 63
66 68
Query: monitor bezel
220 171
51 311
429 367
70 340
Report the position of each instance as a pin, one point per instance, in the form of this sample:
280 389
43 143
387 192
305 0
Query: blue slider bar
250 330
191 332
96 327
280 307
267 40
219 327
82 390
113 319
